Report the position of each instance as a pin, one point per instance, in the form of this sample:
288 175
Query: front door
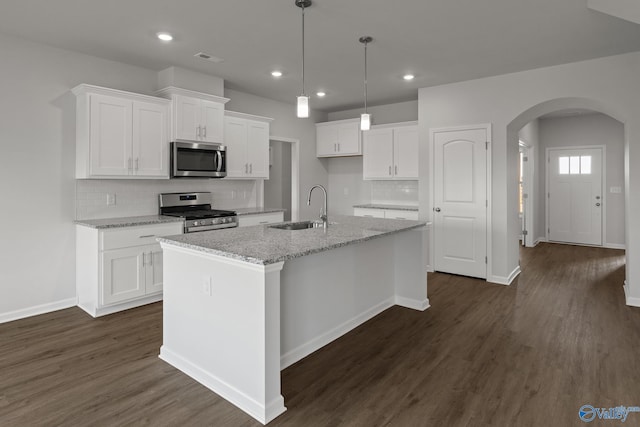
575 195
460 201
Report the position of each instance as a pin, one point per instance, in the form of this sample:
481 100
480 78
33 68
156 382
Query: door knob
437 209
597 204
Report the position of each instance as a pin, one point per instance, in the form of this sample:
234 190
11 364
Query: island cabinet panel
339 138
121 134
119 268
260 219
247 141
391 152
386 213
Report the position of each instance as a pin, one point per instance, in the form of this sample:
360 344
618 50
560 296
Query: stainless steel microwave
191 159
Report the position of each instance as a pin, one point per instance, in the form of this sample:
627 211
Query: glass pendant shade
365 121
303 106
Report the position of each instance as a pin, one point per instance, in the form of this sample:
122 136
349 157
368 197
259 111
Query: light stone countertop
381 206
256 211
129 221
263 245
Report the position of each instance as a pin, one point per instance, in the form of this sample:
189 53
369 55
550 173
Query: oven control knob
196 223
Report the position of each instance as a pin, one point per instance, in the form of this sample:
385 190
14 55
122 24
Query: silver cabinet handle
129 164
251 168
144 259
389 170
137 163
396 169
150 258
204 132
437 209
263 222
147 235
246 168
335 147
338 147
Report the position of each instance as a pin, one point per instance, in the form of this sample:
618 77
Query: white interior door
575 195
460 201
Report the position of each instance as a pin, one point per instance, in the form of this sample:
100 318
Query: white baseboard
36 310
615 246
539 240
97 312
501 280
262 413
631 301
292 356
412 303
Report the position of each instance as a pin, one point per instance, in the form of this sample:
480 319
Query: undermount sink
303 225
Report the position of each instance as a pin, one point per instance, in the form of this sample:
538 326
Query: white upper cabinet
120 134
391 152
196 116
247 140
338 138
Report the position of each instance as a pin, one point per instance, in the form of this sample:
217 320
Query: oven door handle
218 161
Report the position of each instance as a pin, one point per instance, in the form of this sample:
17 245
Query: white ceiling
440 41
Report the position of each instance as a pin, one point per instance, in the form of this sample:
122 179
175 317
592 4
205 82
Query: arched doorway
513 143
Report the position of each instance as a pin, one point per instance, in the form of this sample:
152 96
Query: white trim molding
631 301
500 280
36 310
615 246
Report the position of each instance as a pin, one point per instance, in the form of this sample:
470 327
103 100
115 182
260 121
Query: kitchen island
241 304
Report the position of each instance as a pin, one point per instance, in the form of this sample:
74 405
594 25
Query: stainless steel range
196 210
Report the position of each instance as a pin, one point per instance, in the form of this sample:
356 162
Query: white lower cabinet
260 219
119 268
386 213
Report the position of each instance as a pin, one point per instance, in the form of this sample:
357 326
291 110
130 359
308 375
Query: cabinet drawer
371 213
260 219
400 214
136 236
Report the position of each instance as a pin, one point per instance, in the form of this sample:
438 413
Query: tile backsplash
394 192
140 197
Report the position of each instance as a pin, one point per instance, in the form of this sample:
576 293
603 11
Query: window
574 165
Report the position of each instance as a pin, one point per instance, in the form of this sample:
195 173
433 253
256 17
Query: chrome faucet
323 213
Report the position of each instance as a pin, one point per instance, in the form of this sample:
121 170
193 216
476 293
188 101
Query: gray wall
585 130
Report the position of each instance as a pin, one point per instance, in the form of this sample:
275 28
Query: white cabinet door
258 149
235 138
153 270
123 275
349 139
336 139
110 136
405 152
326 141
150 140
212 118
378 154
187 118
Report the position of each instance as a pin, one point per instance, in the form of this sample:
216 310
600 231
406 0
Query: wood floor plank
529 354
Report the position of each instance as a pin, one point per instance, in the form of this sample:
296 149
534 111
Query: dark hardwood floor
529 354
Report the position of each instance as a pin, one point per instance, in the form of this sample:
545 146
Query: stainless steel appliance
191 159
196 210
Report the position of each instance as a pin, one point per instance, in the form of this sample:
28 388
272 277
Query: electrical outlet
206 285
111 199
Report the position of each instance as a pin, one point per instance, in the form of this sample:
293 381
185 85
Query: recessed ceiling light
165 37
276 73
408 77
321 94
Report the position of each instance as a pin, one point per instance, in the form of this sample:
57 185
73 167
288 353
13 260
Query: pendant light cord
302 49
365 77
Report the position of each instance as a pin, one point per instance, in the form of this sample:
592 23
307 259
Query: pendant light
302 104
365 118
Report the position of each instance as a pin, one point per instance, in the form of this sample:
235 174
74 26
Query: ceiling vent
208 57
